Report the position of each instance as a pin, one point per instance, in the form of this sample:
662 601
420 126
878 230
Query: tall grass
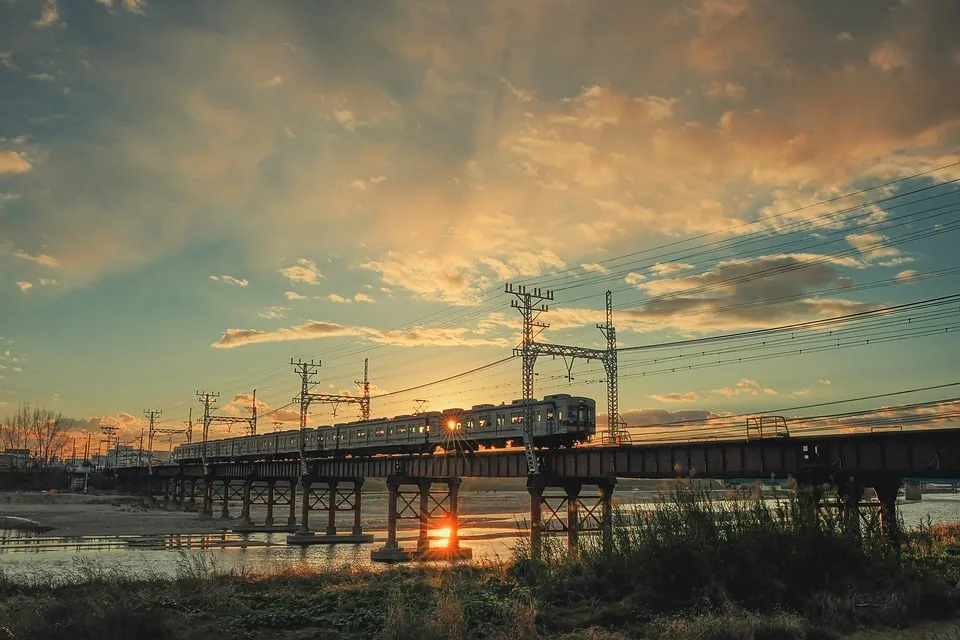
689 567
691 551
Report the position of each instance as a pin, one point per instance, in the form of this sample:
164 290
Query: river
492 536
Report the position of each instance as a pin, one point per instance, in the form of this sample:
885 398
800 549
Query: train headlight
452 425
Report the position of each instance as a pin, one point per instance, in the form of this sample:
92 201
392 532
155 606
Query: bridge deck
920 453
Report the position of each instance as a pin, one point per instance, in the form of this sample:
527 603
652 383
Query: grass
691 567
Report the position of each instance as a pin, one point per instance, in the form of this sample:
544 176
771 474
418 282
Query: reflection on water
26 554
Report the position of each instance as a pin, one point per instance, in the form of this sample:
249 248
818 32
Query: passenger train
560 420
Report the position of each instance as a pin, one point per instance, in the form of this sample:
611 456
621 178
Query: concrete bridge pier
887 489
427 506
331 495
849 497
191 502
245 501
570 512
292 502
225 504
206 506
271 485
913 491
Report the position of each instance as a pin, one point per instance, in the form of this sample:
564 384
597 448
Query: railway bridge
571 494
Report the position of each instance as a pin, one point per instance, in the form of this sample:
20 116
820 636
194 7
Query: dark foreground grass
690 568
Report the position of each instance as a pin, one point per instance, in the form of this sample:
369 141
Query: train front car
581 418
565 420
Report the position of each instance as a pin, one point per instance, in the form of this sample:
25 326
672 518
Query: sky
193 193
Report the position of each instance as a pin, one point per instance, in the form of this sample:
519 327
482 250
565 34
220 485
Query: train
560 420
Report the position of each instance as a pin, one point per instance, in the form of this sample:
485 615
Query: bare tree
49 431
16 433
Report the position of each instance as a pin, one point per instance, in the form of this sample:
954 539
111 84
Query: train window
484 421
470 424
401 429
516 418
427 428
560 415
501 420
361 433
539 417
550 415
380 431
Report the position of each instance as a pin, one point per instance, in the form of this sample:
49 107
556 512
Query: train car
560 420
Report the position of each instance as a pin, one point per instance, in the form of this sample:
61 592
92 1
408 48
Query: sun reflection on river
440 537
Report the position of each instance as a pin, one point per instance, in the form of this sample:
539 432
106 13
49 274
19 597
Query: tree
49 431
16 432
36 428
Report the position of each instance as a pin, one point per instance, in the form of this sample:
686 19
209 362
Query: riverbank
72 514
689 568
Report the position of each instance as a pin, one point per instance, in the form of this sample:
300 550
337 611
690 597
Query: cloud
688 396
274 81
907 275
362 185
594 267
872 245
239 282
362 297
522 96
746 387
653 417
273 313
663 269
6 61
313 329
25 286
293 295
49 15
747 293
307 331
633 278
592 139
889 56
40 258
43 77
13 162
726 90
430 276
333 297
133 6
44 282
305 270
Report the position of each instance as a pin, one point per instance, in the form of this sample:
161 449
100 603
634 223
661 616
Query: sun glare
440 537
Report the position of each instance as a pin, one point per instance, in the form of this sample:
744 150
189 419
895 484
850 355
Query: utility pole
109 430
307 372
140 446
170 433
189 428
530 305
152 419
615 434
365 387
209 399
